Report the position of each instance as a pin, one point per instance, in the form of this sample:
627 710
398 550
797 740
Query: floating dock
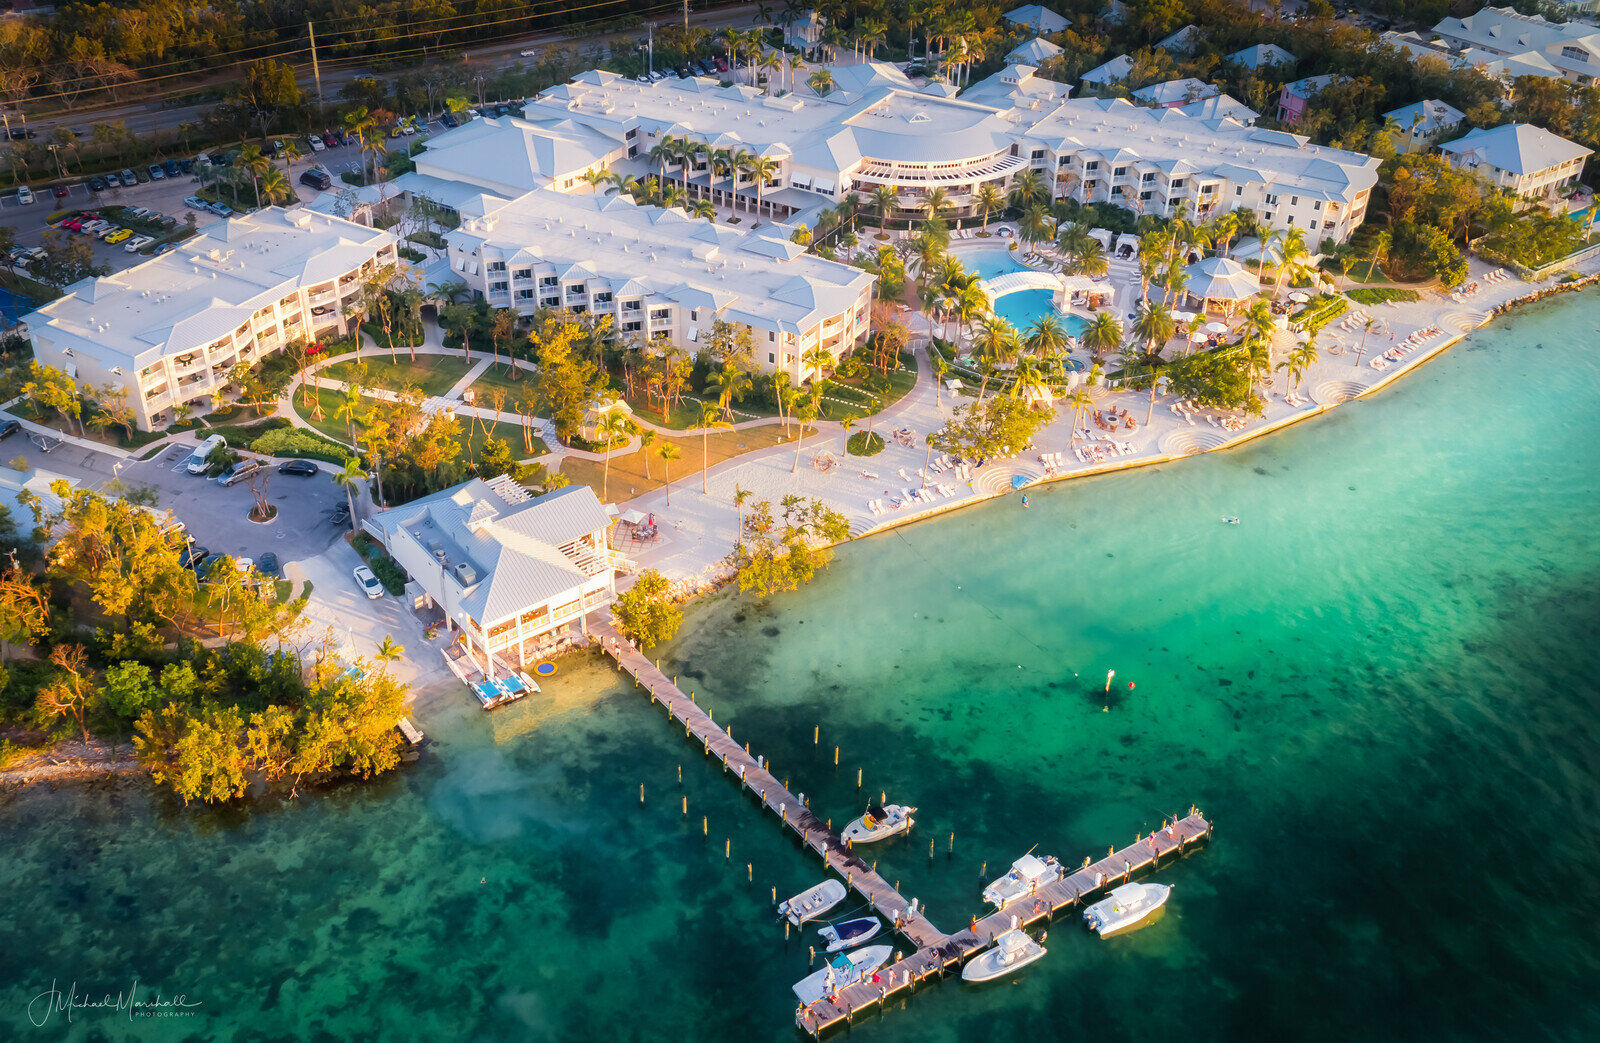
936 952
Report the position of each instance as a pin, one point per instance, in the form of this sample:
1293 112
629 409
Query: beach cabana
1265 254
1221 284
1101 236
1127 245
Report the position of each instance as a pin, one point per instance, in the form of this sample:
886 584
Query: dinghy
849 933
812 903
841 972
1012 951
880 822
1125 907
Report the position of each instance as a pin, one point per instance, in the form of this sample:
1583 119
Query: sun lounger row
912 497
1411 343
1050 459
1098 452
1294 398
1498 275
1354 321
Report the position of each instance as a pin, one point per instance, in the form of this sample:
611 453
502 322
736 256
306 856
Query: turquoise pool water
1381 685
1024 306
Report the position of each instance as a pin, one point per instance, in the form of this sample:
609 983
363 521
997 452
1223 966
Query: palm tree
804 412
988 198
348 479
761 168
252 162
613 425
1081 405
378 149
668 453
389 651
1103 335
797 62
1035 225
936 202
647 441
1046 336
593 177
820 81
882 202
663 151
275 186
1027 188
1258 321
940 368
703 207
1380 251
1296 258
1366 330
1155 326
1028 380
772 62
1091 259
363 126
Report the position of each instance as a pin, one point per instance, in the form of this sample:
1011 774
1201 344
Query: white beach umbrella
1216 327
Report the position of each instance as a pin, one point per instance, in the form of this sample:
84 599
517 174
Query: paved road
146 116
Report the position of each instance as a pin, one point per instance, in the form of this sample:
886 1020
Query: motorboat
880 822
1125 906
812 903
1012 951
1028 874
849 933
842 971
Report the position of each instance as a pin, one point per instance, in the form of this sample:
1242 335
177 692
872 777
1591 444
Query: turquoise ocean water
1381 685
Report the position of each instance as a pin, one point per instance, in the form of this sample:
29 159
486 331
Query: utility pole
685 16
651 46
316 70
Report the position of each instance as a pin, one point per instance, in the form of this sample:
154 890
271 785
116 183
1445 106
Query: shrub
645 613
298 442
863 443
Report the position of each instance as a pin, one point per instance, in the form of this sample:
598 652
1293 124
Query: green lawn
900 381
1382 295
508 431
331 424
433 374
499 376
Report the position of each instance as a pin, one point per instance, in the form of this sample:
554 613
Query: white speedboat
1125 906
1028 874
849 933
1012 951
812 903
880 822
841 972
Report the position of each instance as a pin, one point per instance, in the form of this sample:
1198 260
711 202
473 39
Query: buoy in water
544 669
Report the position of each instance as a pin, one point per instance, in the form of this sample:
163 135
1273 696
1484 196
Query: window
657 314
1118 171
1316 206
1038 153
1148 176
1294 200
632 305
1313 223
772 358
1238 190
771 336
1093 164
1577 54
602 297
1177 183
524 295
1290 219
576 289
549 302
1146 195
495 266
522 273
694 314
499 286
548 281
632 327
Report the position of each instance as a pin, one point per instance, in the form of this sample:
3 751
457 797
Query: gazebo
1220 284
1267 254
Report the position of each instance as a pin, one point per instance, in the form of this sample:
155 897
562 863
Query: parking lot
165 196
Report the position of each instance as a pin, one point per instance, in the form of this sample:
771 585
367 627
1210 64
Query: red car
722 64
73 223
60 191
329 140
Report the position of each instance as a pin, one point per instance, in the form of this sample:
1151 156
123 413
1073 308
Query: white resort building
170 330
661 274
877 129
1504 42
1529 161
505 569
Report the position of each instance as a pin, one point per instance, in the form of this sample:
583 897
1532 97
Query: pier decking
936 952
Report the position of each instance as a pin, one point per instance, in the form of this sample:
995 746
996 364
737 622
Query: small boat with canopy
880 822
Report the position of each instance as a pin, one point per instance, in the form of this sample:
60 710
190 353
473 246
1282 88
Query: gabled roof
1427 117
1261 55
1184 39
1116 69
1034 52
1518 148
1176 91
1040 18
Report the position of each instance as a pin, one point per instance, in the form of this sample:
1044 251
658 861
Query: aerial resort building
503 568
170 330
1529 161
662 275
875 129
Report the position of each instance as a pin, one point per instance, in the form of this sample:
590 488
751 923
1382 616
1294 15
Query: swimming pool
1023 306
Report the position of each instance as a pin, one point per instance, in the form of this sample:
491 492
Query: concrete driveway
358 623
218 519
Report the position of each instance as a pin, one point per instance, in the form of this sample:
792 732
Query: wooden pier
936 953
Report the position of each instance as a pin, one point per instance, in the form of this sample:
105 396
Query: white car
24 196
368 582
316 143
137 242
531 52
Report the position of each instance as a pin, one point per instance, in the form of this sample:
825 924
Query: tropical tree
820 81
593 178
1154 325
612 425
1027 189
936 202
389 651
1296 260
1046 336
668 453
1380 251
882 202
710 417
647 442
762 168
988 198
349 480
805 412
1081 405
1103 335
1035 225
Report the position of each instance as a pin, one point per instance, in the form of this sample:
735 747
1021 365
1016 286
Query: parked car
113 181
97 184
121 235
127 176
141 177
192 556
449 120
202 160
197 203
156 171
186 165
277 146
238 472
316 144
531 52
135 211
24 196
329 140
316 177
171 167
138 243
299 468
59 190
368 582
267 565
197 459
721 64
220 209
656 76
9 428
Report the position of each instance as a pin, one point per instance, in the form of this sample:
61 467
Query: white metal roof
1519 148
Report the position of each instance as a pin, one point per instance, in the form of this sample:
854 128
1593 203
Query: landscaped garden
433 375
